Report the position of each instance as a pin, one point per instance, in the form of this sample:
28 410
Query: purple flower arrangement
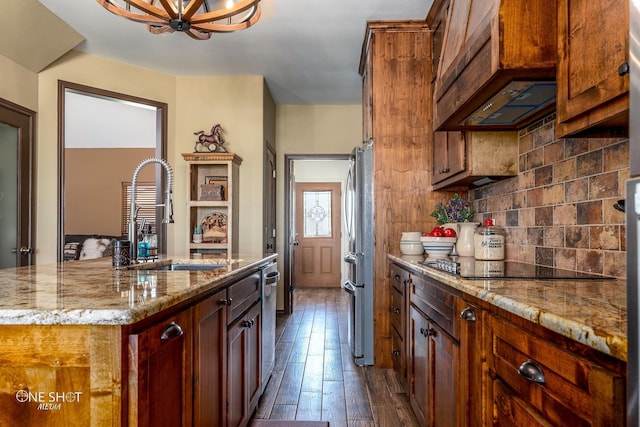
458 209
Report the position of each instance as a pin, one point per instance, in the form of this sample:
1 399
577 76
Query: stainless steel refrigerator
632 207
359 206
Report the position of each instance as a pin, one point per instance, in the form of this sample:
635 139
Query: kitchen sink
189 267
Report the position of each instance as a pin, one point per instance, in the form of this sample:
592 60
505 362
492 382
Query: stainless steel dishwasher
270 277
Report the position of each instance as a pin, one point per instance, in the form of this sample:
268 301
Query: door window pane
317 213
8 195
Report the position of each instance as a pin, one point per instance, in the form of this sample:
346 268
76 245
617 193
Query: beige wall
18 84
311 129
242 104
93 187
97 72
235 103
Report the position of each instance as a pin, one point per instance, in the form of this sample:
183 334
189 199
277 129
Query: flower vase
465 244
453 225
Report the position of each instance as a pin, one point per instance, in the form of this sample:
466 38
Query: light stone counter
91 292
592 312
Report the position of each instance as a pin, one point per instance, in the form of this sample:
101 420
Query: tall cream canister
489 242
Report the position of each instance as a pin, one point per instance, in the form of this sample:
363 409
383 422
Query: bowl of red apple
438 243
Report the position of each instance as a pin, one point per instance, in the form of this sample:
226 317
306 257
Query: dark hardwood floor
315 377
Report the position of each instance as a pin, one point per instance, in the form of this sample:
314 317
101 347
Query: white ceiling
307 50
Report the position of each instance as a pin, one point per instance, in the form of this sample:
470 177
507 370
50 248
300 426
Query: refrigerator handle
348 204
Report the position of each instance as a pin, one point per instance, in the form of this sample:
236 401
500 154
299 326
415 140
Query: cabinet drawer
574 391
398 350
398 312
399 278
436 302
242 295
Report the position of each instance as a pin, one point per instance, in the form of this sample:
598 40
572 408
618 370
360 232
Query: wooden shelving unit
212 201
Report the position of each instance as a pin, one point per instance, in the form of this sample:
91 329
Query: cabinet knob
423 332
531 371
623 69
397 278
431 332
396 352
468 314
444 170
395 310
226 301
172 330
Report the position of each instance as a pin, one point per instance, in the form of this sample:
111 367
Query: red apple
449 232
437 232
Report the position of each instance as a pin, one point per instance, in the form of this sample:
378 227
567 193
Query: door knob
25 250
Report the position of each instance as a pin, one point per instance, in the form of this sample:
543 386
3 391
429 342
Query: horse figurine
213 142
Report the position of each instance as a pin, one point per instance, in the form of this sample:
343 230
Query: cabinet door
448 155
471 410
443 361
419 367
160 373
243 380
589 82
209 361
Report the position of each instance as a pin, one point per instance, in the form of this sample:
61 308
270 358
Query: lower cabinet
398 315
536 383
200 366
434 365
471 364
210 361
434 358
160 373
243 382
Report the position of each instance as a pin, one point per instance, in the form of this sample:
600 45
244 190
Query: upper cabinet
497 65
593 77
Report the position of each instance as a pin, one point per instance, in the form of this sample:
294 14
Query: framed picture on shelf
214 188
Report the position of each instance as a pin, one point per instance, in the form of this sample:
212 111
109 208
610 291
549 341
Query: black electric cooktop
474 269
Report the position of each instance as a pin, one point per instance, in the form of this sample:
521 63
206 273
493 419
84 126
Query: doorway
104 135
310 168
16 185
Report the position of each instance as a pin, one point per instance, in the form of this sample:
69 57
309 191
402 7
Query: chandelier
197 18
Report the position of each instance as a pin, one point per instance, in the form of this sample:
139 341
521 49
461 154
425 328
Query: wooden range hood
497 68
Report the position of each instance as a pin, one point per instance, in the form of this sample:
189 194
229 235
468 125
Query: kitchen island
84 344
508 352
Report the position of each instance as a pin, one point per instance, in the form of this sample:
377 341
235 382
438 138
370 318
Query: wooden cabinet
487 45
213 201
462 158
396 114
536 383
243 382
398 314
472 367
201 366
160 373
210 361
435 354
593 83
448 155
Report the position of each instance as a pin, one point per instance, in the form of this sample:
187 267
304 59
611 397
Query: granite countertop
592 312
92 292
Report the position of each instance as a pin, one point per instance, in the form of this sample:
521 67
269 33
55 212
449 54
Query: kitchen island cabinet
83 344
496 334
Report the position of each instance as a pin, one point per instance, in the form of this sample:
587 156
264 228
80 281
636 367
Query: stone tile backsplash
559 210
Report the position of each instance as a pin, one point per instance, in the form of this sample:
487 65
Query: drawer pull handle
531 371
396 352
172 330
397 278
431 332
395 310
468 314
